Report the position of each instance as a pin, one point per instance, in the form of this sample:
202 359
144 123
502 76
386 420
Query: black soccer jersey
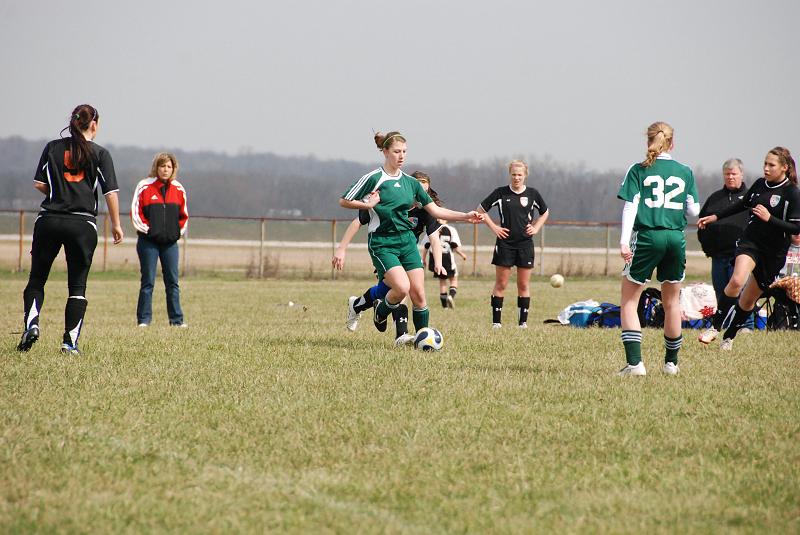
423 222
783 203
72 190
516 211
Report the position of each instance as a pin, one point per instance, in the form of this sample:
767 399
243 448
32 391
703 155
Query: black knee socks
497 309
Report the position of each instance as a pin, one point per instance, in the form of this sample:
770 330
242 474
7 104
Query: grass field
264 417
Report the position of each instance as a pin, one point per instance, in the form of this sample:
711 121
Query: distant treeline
269 185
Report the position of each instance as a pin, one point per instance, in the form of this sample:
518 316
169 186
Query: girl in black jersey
514 246
774 202
69 172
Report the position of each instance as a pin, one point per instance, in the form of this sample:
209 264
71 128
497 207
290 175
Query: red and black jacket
159 211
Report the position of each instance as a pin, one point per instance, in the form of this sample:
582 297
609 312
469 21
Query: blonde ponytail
659 140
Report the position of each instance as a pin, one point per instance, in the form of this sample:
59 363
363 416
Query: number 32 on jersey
664 191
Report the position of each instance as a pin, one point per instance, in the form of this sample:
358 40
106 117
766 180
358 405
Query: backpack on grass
650 309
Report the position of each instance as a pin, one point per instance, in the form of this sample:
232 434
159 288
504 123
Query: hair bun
379 139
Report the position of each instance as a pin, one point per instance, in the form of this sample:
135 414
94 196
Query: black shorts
520 256
448 264
768 263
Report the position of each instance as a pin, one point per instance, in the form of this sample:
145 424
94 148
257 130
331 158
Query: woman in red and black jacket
160 214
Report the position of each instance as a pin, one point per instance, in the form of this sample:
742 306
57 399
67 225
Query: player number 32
660 198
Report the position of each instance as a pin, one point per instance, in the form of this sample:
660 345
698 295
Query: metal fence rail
274 246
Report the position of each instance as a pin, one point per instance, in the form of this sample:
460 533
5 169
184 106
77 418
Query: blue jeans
149 252
721 271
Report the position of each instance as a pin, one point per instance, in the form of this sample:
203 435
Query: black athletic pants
78 236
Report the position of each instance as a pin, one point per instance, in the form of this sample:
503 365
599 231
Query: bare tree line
269 185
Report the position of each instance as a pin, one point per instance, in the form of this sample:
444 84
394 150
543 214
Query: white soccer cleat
670 368
450 301
404 340
352 315
708 336
726 344
629 370
496 325
523 325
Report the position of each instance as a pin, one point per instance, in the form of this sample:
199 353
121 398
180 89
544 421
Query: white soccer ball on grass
557 281
428 339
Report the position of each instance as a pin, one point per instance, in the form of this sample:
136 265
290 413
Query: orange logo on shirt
77 177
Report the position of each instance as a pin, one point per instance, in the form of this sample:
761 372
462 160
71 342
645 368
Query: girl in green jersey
388 193
658 193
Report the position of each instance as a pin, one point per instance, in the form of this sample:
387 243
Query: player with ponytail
657 193
388 193
423 223
774 203
69 173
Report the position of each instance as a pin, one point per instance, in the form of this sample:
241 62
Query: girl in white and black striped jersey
448 278
774 202
69 173
514 246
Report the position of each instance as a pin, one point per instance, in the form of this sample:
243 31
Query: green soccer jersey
662 192
398 195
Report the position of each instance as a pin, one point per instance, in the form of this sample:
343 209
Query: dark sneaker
380 323
29 338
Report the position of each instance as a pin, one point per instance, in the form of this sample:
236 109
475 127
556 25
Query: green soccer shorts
398 249
660 249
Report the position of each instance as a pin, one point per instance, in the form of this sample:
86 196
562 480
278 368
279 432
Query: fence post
261 249
541 251
608 248
105 242
474 249
21 237
333 247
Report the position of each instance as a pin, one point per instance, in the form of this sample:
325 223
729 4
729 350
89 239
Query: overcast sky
578 81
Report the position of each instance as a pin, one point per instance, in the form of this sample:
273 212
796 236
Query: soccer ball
557 281
428 339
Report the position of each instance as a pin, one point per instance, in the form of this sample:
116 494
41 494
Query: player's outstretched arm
703 222
440 212
341 251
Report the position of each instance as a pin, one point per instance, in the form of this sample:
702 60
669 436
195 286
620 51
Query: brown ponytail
384 141
785 157
80 120
659 140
